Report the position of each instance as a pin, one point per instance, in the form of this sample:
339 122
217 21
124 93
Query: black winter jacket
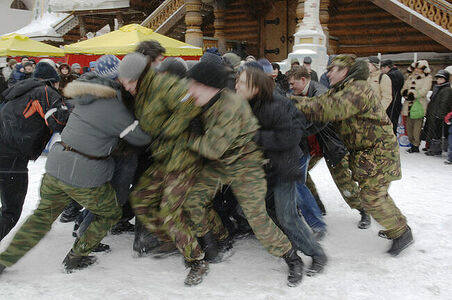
282 127
33 110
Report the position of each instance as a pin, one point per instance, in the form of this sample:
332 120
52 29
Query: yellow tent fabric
125 40
16 44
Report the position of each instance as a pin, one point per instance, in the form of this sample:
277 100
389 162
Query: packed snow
358 268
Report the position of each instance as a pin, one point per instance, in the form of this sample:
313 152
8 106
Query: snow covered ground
358 268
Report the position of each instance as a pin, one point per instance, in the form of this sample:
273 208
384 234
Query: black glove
196 126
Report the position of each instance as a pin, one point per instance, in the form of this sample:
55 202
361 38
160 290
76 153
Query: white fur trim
129 128
79 88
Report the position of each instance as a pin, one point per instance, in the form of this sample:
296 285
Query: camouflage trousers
342 177
157 201
247 181
55 195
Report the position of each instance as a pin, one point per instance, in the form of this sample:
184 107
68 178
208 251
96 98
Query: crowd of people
203 154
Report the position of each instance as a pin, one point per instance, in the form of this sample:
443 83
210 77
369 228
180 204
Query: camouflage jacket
165 114
362 124
229 128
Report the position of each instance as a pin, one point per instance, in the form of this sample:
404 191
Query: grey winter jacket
97 122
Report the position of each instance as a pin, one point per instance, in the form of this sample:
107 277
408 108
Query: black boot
198 269
295 267
74 262
401 243
210 247
144 240
364 223
317 265
122 227
413 149
70 212
102 248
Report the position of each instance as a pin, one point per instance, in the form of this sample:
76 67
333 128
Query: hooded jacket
360 122
32 112
96 124
281 128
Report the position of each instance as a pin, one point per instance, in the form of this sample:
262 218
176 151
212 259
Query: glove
448 118
196 126
410 97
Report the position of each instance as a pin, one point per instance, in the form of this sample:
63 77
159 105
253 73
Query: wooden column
81 23
193 20
324 18
218 11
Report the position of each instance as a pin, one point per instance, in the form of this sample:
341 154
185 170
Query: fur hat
420 64
46 71
233 59
132 65
175 66
107 66
210 74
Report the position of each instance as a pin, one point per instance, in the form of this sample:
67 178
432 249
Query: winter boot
210 247
102 248
74 262
70 212
364 223
413 149
144 240
317 265
122 227
435 148
198 269
163 250
401 243
295 267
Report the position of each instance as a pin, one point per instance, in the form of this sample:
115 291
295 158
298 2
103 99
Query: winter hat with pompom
107 66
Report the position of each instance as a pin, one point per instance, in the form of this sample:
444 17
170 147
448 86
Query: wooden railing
438 11
163 13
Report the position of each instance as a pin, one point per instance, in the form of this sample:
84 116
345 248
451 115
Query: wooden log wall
365 29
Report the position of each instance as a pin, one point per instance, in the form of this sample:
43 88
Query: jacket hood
421 64
22 87
90 87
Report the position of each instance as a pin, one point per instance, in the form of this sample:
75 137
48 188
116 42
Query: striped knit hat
107 66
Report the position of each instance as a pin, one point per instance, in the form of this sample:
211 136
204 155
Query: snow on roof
41 28
76 5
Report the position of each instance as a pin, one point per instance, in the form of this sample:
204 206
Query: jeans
293 225
306 201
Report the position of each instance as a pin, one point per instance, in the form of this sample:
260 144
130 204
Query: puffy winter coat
282 127
96 124
416 86
438 107
381 85
33 110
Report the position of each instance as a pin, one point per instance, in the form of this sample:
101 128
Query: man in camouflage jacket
362 124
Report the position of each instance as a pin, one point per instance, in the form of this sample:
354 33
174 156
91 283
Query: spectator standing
397 80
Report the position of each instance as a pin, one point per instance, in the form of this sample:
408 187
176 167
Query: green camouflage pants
342 177
377 202
55 195
247 180
157 201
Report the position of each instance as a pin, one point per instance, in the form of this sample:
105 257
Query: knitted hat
76 66
174 65
92 64
107 66
46 71
444 74
307 60
266 65
386 63
213 50
343 61
50 62
253 64
210 74
132 65
213 58
233 59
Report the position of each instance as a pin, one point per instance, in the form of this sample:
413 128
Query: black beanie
46 71
210 74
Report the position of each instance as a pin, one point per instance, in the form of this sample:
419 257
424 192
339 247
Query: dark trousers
13 189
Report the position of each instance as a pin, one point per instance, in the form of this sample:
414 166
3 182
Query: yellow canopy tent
16 45
125 40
